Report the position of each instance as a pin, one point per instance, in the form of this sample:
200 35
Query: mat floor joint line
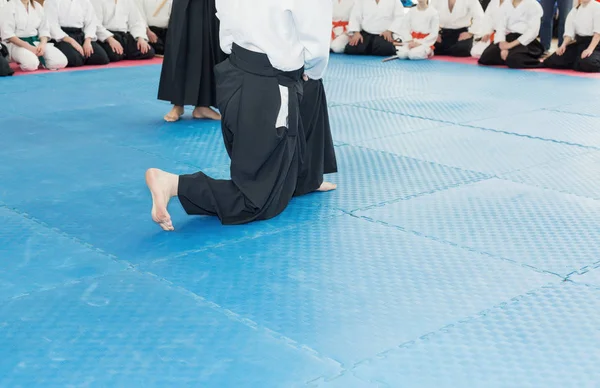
456 324
424 193
562 142
248 322
472 250
167 158
248 238
559 110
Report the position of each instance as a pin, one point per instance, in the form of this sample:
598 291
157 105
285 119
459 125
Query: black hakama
75 59
161 35
372 45
191 53
520 57
5 69
571 58
451 46
130 49
318 157
265 159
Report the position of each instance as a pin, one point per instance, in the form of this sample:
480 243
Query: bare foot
163 186
202 112
175 114
327 186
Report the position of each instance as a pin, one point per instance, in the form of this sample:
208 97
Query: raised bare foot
175 114
202 112
163 186
327 186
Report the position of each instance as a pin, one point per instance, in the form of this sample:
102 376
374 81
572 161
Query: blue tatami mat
460 249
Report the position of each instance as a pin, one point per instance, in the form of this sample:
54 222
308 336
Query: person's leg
381 47
362 48
339 43
54 58
590 64
132 52
27 60
524 57
99 57
112 55
159 45
479 48
461 48
491 56
419 53
319 158
402 52
564 7
74 59
547 23
565 61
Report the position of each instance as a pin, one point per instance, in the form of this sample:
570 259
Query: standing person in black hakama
273 45
191 53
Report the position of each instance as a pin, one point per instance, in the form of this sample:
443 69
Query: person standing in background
192 50
547 26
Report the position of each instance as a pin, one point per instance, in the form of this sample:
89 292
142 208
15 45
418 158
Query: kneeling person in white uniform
272 45
122 21
374 27
25 30
420 32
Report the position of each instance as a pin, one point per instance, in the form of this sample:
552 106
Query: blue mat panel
346 287
550 125
547 230
371 178
447 108
545 339
132 330
82 166
576 175
474 149
352 125
459 249
27 265
129 233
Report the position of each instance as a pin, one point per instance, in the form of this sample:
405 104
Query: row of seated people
73 33
505 34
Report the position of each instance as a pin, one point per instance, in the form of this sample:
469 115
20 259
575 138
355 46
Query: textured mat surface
460 249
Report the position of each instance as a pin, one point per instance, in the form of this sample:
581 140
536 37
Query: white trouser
419 52
28 61
341 40
478 48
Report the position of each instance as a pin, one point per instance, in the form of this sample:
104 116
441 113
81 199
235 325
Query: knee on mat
417 55
338 47
57 61
588 65
30 63
514 62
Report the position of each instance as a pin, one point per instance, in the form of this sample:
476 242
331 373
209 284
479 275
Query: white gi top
584 20
493 17
154 16
342 10
375 18
124 16
292 33
70 14
524 19
16 21
425 22
466 13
